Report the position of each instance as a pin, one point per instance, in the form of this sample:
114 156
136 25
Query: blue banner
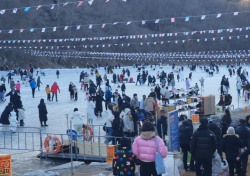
173 131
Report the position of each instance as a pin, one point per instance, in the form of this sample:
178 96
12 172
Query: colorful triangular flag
26 9
80 3
38 7
236 13
14 10
2 12
91 2
218 15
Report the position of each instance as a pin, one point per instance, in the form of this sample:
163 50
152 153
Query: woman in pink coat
144 148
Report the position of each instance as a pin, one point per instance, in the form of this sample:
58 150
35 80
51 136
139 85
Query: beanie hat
203 121
147 126
125 142
230 130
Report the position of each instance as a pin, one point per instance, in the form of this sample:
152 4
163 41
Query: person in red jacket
55 89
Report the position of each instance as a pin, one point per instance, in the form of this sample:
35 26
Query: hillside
85 30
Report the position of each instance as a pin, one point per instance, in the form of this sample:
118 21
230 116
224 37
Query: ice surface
57 110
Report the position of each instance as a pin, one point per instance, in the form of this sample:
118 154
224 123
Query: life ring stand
55 150
87 133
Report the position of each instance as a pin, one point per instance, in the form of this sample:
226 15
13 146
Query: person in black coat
202 147
117 127
230 146
98 104
186 132
114 78
5 114
162 125
42 113
123 88
242 132
13 96
158 91
71 91
218 134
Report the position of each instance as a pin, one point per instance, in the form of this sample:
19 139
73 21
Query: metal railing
32 139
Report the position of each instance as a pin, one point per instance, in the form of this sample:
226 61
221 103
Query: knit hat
230 130
147 126
203 121
125 142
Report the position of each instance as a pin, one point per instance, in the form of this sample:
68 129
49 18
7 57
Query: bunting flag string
129 44
142 22
52 6
125 37
206 55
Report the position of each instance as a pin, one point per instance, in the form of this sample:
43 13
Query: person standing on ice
57 74
55 89
42 113
33 87
90 110
202 83
77 120
187 83
38 82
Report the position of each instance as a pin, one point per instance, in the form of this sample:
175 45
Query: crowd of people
139 118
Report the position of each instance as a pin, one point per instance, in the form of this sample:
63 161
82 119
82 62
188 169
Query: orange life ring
54 150
87 133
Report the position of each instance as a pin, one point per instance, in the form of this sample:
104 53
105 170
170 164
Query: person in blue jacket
33 87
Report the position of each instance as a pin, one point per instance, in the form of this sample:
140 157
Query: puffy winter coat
110 118
33 84
13 121
55 88
91 109
21 115
149 104
203 143
186 132
42 111
144 146
242 131
77 118
230 146
128 122
5 115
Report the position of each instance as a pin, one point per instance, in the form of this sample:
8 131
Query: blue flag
27 9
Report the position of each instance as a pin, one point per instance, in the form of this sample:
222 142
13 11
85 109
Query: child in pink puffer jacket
144 148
